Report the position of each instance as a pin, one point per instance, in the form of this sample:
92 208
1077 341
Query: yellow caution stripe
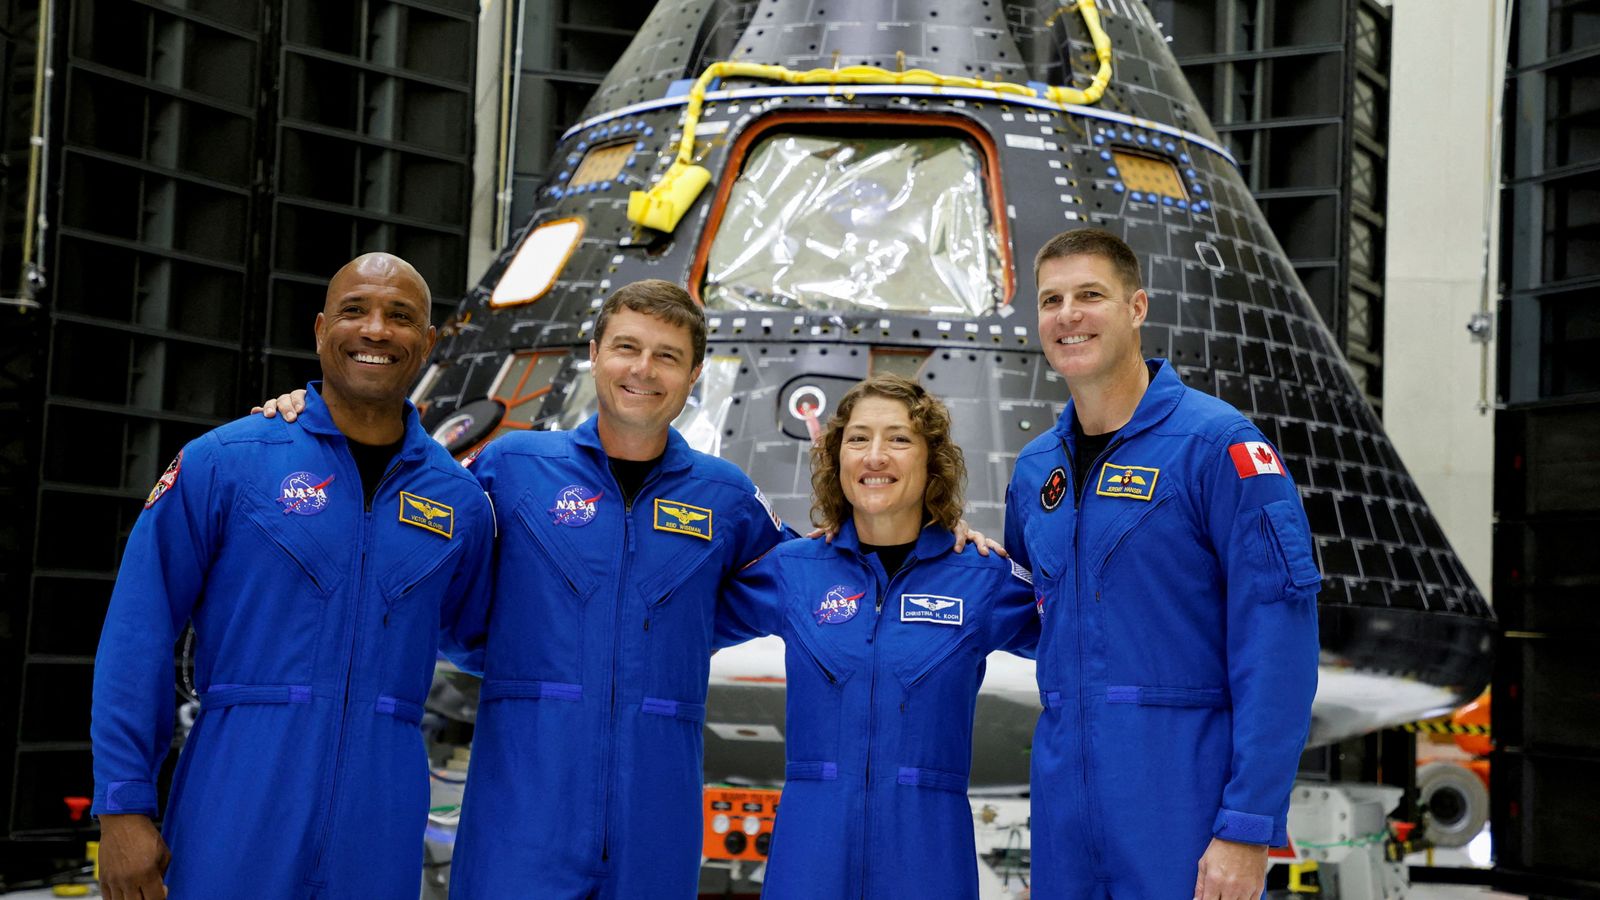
1441 726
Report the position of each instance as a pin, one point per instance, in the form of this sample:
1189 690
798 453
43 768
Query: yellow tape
665 204
1442 727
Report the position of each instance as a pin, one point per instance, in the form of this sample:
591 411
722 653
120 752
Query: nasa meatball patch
304 493
931 608
165 482
838 605
575 506
1054 488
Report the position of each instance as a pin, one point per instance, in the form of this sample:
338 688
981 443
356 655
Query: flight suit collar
934 540
316 419
1160 398
677 457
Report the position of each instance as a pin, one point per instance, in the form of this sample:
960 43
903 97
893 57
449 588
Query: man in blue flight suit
616 539
316 564
1175 577
615 542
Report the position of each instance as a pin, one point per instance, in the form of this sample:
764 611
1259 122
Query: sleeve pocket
1289 536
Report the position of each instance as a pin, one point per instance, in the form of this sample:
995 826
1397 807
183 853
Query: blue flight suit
882 682
587 762
1178 654
317 625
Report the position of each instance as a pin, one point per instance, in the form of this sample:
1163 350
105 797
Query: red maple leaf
1263 456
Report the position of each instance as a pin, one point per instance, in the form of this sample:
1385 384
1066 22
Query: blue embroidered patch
838 605
304 494
575 506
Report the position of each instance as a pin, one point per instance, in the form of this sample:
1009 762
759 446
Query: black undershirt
893 556
372 461
1086 448
630 475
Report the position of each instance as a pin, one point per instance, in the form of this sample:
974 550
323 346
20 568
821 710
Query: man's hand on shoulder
133 858
288 405
1230 870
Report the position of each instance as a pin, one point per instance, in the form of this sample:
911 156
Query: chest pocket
558 553
296 542
931 655
1124 530
404 579
799 635
674 569
1049 543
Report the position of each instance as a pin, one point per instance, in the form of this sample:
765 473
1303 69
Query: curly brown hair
942 500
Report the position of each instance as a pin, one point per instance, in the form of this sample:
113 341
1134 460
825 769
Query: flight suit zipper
872 721
1091 811
352 640
609 776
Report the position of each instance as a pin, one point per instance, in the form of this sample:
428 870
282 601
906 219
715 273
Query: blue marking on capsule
1136 197
1127 135
583 145
1099 139
564 175
648 131
1183 204
1197 188
1142 139
1171 146
1117 187
1112 171
628 163
639 146
1105 155
1166 201
556 192
605 185
1190 173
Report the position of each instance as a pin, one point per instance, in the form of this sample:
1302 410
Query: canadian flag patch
1253 458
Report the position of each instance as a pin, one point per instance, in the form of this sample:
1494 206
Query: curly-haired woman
887 630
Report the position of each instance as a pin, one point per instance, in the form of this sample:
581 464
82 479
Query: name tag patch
683 518
931 608
427 514
1129 482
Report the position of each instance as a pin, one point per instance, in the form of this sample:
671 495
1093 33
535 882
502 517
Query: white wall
1442 82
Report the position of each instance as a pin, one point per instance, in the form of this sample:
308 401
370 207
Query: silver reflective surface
874 224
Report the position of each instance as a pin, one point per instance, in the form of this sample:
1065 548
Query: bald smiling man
316 563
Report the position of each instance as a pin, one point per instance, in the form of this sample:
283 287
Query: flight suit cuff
125 797
1248 828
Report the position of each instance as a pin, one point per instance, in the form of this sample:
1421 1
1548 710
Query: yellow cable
666 203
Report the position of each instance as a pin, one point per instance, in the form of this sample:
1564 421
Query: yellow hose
665 204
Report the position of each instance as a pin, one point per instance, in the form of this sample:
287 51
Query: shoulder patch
1253 458
165 482
429 515
683 518
1021 573
771 514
